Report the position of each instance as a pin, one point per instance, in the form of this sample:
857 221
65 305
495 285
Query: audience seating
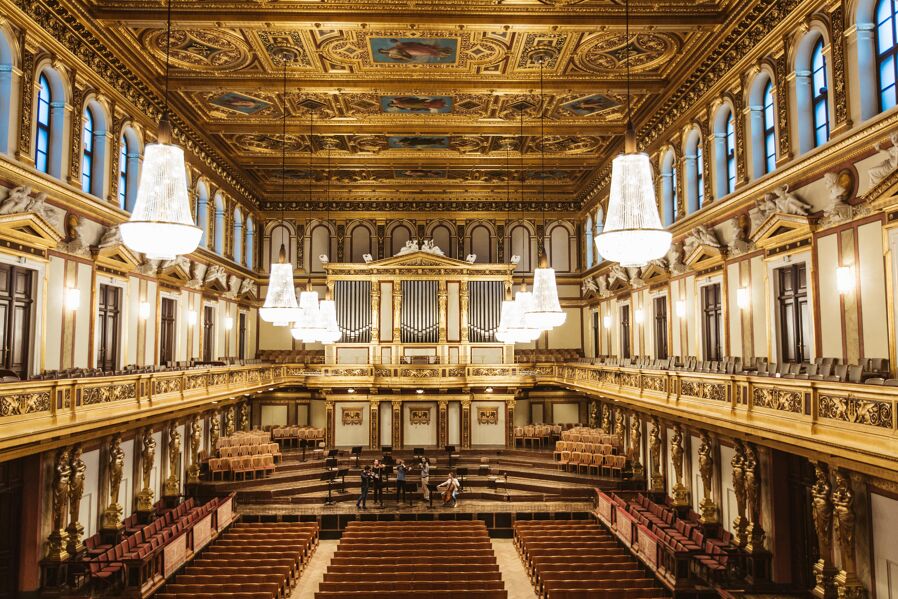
410 560
536 435
292 435
581 560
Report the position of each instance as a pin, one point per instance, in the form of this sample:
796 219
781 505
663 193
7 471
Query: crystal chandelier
545 310
327 311
161 225
633 235
280 306
518 328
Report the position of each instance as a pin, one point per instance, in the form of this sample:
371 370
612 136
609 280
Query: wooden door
109 308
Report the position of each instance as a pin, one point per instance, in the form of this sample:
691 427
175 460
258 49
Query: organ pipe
419 314
484 307
354 310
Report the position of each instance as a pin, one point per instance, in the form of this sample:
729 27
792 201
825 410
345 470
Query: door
241 336
712 313
660 304
208 333
167 328
16 307
625 332
794 318
108 326
595 333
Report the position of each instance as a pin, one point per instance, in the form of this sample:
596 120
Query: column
397 424
443 423
740 522
822 511
375 316
26 108
463 310
657 479
680 491
397 312
172 489
781 93
839 96
466 422
58 538
849 587
147 459
115 468
74 176
193 439
329 419
706 470
739 121
635 453
374 429
443 298
509 422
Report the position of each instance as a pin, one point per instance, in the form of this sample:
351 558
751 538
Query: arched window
129 168
123 173
521 245
587 235
442 238
238 236
724 151
480 243
693 170
43 126
558 248
820 99
202 212
219 225
359 240
8 103
887 51
769 128
87 151
250 243
669 186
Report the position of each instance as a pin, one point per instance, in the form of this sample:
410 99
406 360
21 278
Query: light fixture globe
633 235
327 311
518 330
308 328
545 310
161 225
280 307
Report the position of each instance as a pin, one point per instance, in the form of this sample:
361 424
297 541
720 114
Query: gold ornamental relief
199 49
487 416
351 416
607 52
419 416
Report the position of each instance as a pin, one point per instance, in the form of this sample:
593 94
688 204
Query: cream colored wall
55 284
91 501
728 494
419 435
885 545
350 435
522 412
273 415
872 290
317 414
564 413
386 423
272 337
487 434
830 302
567 335
453 412
695 480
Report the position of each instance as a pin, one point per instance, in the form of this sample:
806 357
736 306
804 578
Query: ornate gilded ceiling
415 99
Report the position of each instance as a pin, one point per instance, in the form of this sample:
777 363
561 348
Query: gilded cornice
68 29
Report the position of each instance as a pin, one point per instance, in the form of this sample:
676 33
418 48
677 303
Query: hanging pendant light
280 306
519 328
161 225
633 235
545 310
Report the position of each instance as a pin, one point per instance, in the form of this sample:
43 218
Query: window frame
123 172
768 124
820 94
43 126
887 55
87 150
730 151
699 175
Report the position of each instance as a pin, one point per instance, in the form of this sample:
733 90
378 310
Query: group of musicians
374 475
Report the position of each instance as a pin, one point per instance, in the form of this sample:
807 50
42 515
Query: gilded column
26 109
463 309
214 432
849 587
375 313
75 530
655 450
115 469
466 422
329 419
740 523
443 423
74 176
147 459
57 541
680 492
606 419
229 421
707 179
635 452
173 482
822 511
706 470
397 311
397 424
841 111
756 534
374 426
244 416
193 469
782 110
619 427
739 119
443 297
509 422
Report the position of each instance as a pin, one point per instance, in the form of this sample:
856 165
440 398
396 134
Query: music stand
341 474
432 487
329 476
303 444
333 453
357 453
386 449
418 452
410 488
330 463
450 449
388 460
461 473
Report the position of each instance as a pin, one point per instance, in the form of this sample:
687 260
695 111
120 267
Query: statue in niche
887 166
635 444
788 203
77 472
214 431
606 419
593 414
229 422
706 471
172 483
680 492
655 451
740 523
193 471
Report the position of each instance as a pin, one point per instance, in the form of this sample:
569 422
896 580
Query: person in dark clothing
401 470
377 477
366 484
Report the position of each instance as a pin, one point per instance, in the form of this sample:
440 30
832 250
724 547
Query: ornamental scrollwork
196 381
168 385
108 393
19 404
855 410
777 399
654 383
419 373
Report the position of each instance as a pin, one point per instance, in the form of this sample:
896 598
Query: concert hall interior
508 299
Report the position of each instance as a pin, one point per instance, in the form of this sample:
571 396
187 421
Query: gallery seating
409 560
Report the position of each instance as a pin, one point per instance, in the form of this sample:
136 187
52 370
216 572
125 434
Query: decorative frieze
855 410
774 398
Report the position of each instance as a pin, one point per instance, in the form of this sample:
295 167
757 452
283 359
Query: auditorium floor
513 573
470 506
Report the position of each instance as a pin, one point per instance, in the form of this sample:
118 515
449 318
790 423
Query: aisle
314 572
513 572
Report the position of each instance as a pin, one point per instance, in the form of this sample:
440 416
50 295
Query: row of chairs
243 466
245 438
589 435
291 434
292 356
272 449
600 463
249 561
536 434
570 446
529 356
580 560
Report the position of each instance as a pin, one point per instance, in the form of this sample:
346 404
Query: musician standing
425 478
366 484
450 490
377 477
401 470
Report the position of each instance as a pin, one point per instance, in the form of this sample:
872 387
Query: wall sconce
489 389
191 317
229 323
638 315
606 320
419 391
680 307
743 298
72 298
350 390
144 310
845 279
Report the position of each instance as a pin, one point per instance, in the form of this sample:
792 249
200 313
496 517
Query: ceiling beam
494 127
455 161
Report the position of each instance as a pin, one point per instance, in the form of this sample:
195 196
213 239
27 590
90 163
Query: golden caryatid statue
115 470
147 461
593 414
173 482
75 530
214 431
655 451
56 542
706 470
680 492
619 426
756 534
193 470
844 518
606 418
635 445
244 416
822 512
740 523
229 421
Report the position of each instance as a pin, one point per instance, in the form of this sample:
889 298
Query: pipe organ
353 299
418 306
484 307
419 317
